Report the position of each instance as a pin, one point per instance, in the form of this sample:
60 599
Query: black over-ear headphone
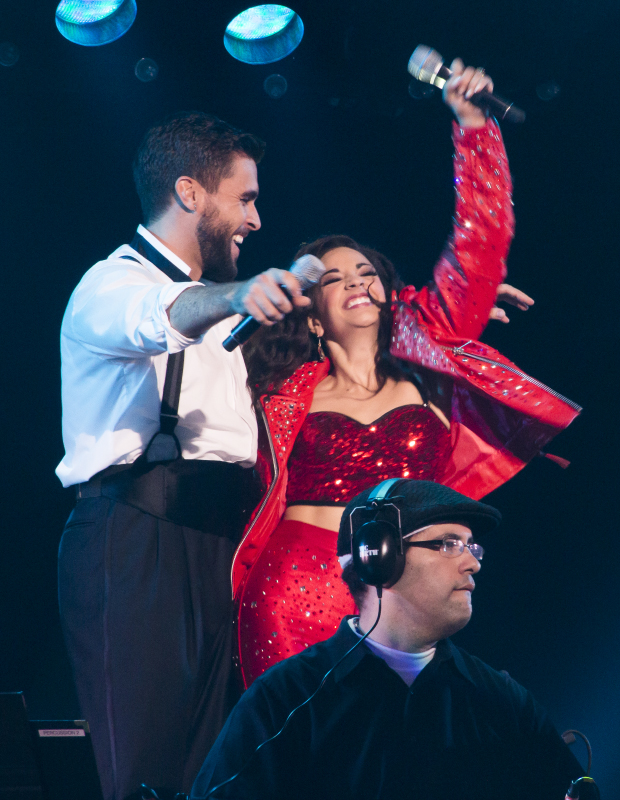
377 545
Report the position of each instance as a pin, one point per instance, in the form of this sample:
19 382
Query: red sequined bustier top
336 457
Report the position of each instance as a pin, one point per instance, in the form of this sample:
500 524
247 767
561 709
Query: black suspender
146 249
164 445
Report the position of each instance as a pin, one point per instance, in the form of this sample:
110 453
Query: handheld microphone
307 269
427 66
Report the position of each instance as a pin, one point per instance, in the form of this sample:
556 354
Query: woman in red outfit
358 389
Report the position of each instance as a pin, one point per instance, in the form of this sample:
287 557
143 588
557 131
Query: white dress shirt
115 338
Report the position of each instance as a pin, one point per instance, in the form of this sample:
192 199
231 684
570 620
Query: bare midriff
327 517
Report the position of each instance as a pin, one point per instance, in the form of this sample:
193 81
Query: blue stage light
146 70
275 86
95 22
548 91
9 54
263 34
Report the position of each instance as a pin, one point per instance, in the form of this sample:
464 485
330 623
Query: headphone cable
305 702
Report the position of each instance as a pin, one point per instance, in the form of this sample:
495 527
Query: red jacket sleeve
458 300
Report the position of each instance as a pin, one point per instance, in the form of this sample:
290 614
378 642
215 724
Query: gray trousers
147 616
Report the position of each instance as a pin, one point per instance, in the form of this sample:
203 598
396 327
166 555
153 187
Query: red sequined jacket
500 417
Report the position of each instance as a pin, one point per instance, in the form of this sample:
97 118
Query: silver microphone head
308 270
424 65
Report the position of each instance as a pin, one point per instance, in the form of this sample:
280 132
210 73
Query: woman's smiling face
342 299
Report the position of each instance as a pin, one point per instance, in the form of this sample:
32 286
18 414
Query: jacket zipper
265 500
460 351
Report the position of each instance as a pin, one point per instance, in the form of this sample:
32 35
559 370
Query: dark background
348 151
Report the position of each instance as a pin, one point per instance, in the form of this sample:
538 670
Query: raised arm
458 301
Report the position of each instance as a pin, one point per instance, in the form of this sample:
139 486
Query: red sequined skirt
294 597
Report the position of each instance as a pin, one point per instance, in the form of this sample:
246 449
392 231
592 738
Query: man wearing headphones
405 714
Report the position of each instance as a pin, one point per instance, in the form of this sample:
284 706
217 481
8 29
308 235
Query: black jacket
462 731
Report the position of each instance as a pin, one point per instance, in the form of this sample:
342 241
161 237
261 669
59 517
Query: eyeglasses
450 547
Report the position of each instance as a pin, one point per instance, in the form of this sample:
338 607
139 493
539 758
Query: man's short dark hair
195 144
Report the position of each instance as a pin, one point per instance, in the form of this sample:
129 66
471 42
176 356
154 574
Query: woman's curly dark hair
274 352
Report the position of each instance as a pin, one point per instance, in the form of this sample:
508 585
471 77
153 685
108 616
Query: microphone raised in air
427 66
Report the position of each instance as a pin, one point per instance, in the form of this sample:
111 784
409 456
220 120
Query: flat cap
422 503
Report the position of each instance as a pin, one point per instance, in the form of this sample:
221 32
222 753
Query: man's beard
214 241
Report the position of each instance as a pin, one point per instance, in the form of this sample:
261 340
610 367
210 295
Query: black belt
212 496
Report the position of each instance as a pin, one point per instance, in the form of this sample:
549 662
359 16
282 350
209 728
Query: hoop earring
320 349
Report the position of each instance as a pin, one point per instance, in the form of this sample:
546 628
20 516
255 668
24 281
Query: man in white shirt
163 488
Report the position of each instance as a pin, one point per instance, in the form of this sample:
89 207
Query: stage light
9 54
548 91
146 70
263 34
419 90
275 86
95 22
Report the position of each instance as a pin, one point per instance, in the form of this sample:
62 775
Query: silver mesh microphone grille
425 63
308 270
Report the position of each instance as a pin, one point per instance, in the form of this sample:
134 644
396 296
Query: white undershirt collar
407 665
